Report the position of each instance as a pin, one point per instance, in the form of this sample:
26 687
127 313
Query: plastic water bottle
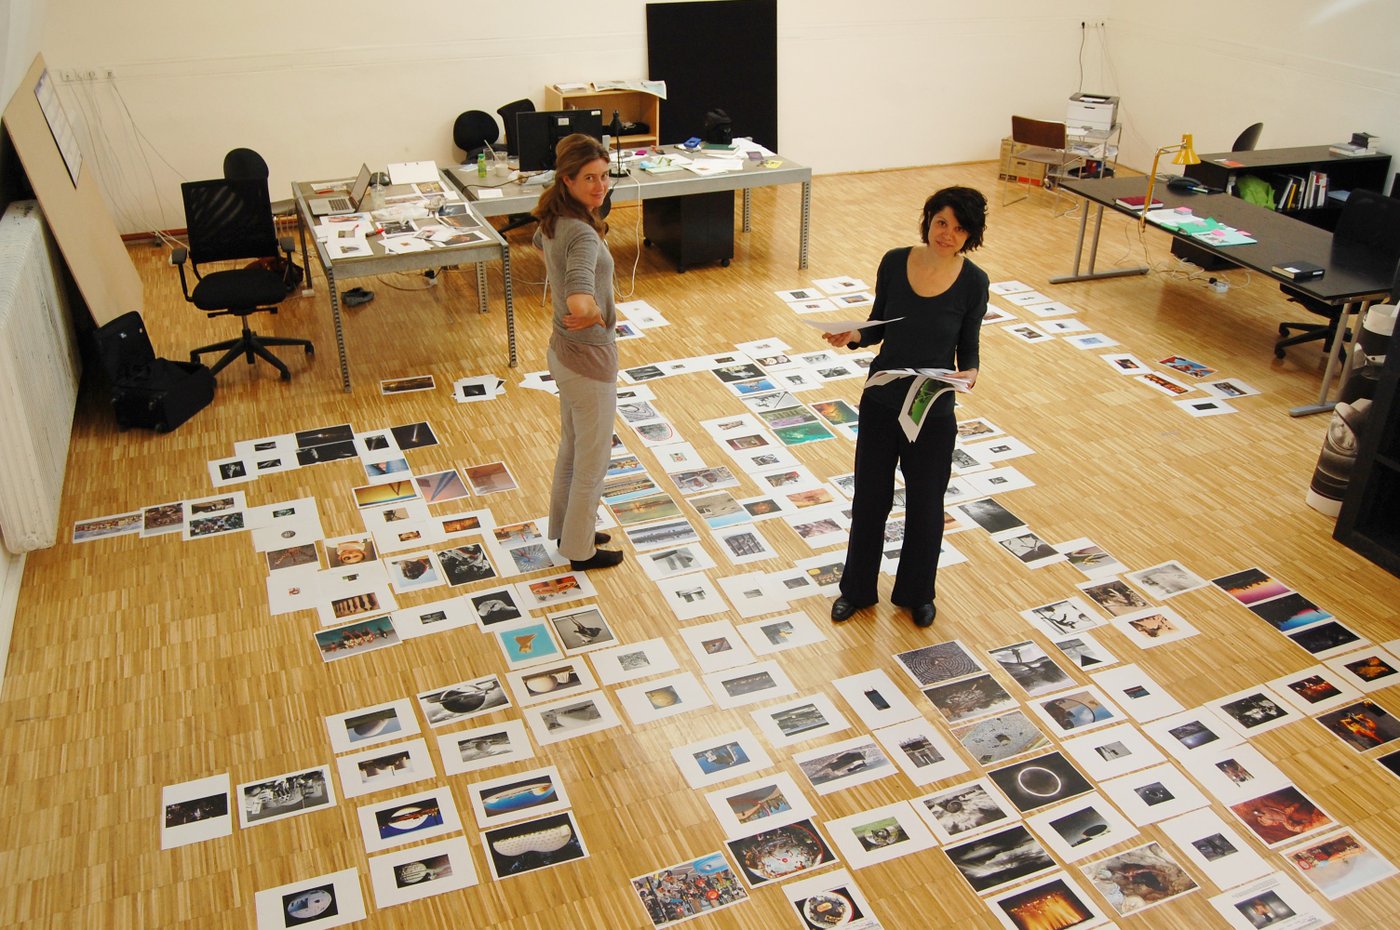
481 164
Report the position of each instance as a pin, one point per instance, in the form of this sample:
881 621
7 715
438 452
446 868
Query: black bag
719 128
289 271
148 392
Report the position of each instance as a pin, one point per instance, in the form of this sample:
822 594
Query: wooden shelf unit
632 106
1344 173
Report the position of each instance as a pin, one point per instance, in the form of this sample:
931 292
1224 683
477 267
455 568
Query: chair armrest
177 258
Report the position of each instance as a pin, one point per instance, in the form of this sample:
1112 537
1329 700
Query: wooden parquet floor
139 663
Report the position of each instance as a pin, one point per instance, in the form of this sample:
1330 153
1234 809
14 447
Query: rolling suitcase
149 392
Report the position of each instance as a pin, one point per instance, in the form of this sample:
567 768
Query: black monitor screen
539 131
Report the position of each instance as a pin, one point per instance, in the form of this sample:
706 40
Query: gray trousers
586 411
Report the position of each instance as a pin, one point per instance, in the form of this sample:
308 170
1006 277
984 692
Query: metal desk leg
308 287
481 298
339 330
1091 274
806 228
510 301
748 209
1350 311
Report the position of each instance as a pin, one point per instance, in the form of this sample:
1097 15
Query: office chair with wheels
474 131
1248 139
1045 143
231 220
1369 219
240 164
508 113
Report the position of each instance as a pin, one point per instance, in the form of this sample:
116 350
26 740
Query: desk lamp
1185 155
618 169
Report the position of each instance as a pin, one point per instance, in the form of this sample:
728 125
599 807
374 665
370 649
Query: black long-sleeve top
936 332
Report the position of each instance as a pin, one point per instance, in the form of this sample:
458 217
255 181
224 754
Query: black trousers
926 465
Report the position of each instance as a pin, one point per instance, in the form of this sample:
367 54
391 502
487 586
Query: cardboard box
1022 171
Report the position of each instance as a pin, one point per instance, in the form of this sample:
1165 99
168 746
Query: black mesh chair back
508 113
1248 139
1372 219
228 219
474 130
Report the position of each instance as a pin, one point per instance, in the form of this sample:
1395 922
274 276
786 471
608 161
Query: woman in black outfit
935 299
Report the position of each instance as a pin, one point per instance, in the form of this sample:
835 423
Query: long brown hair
570 156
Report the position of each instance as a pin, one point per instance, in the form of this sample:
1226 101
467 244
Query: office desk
382 262
642 185
1354 277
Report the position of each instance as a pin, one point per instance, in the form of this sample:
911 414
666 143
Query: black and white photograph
463 700
921 749
630 661
485 746
1043 780
965 810
840 765
1081 827
929 665
1031 668
285 796
997 859
799 720
421 872
1002 737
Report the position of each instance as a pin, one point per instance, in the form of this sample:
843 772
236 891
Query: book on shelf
1298 270
1347 148
1136 202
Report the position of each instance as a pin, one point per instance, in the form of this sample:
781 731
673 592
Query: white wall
1313 71
897 82
869 85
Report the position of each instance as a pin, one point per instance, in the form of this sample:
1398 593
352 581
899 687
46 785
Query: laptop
334 206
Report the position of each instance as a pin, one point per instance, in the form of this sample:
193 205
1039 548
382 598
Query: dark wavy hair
969 206
570 156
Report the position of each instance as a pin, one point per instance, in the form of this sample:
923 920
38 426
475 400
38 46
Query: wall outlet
67 75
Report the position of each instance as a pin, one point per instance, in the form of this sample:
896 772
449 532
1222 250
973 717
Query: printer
1091 111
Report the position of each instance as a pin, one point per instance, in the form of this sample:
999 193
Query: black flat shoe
599 539
841 609
924 614
602 558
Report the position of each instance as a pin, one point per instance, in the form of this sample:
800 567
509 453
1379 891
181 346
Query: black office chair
1370 219
240 164
231 220
474 131
508 113
1248 139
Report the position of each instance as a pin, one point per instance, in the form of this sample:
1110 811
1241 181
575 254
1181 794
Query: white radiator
38 381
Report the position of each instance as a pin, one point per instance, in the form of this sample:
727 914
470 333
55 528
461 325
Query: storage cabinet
632 106
1370 517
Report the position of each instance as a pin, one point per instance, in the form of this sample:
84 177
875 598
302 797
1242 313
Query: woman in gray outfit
582 346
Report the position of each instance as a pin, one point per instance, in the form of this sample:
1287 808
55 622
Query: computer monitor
538 132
